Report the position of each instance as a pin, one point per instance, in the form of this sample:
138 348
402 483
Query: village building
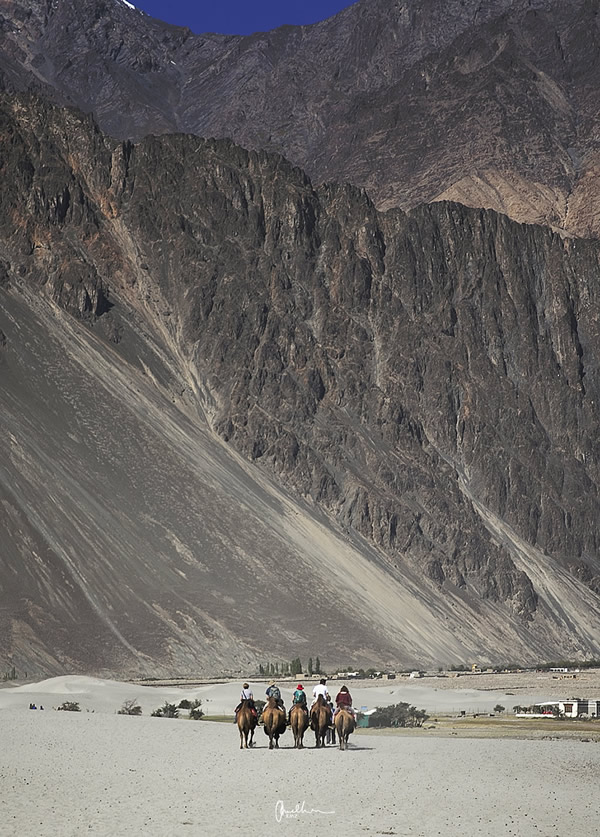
573 708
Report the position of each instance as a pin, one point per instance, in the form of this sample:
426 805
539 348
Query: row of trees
399 715
292 668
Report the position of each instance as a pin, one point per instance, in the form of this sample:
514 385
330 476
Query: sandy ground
73 774
100 773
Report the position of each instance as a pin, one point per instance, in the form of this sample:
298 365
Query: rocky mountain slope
491 104
243 415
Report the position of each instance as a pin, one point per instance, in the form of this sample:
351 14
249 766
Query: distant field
499 727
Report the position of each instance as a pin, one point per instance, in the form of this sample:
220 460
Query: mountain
243 416
491 104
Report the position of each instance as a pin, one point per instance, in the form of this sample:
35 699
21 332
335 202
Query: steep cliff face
491 104
425 386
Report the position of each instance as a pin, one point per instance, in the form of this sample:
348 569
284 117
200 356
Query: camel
274 722
299 724
344 726
320 718
246 721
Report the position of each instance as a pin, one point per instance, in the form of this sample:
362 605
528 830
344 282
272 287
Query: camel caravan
324 719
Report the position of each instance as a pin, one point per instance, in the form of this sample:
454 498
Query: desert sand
99 773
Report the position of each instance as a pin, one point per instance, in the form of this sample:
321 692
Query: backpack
274 692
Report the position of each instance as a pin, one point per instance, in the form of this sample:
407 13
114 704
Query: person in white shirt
320 689
246 694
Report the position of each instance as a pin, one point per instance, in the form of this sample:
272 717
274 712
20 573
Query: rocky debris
427 381
489 104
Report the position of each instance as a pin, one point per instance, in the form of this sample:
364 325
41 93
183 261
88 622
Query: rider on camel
299 699
273 691
343 700
246 694
320 689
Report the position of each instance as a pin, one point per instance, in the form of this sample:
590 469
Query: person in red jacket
343 700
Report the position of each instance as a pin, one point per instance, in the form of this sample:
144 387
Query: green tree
499 708
318 666
310 667
296 666
196 713
169 710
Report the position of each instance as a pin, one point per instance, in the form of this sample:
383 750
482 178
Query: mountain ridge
490 105
422 386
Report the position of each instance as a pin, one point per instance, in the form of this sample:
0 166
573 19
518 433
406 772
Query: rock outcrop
491 104
423 385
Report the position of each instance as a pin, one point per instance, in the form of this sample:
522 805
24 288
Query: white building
572 708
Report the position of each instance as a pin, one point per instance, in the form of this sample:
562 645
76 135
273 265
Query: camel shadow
355 747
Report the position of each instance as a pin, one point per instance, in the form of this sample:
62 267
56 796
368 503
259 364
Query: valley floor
68 774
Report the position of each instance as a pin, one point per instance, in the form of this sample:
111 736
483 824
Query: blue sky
239 17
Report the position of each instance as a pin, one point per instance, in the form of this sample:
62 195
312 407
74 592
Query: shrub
185 704
70 706
499 708
130 707
169 710
196 713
